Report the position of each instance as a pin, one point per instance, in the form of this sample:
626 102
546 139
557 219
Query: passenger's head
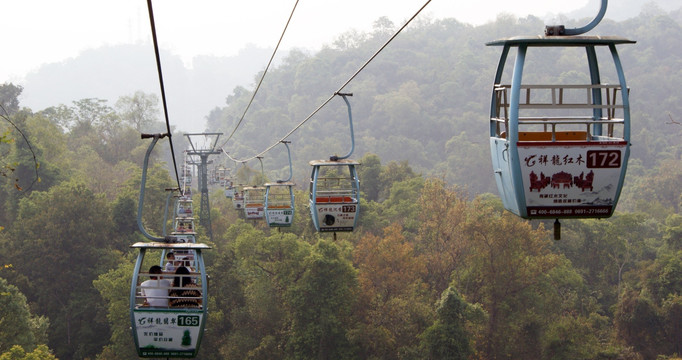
156 269
170 256
181 273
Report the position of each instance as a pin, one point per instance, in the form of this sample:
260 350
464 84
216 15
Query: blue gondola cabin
279 204
254 202
334 195
560 148
168 310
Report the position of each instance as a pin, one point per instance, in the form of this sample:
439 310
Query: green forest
436 268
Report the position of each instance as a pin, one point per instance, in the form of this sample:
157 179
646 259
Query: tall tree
114 287
42 352
9 98
403 204
441 238
506 263
369 174
321 303
257 271
392 173
672 318
139 110
90 113
447 338
66 233
639 324
35 158
18 325
393 303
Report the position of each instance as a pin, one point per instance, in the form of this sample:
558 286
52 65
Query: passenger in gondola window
188 264
155 290
171 264
185 292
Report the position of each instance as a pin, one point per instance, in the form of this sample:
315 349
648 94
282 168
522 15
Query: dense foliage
437 269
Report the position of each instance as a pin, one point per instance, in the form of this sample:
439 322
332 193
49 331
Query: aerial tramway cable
332 96
262 77
163 90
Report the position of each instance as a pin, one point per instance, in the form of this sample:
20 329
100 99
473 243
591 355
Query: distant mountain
113 71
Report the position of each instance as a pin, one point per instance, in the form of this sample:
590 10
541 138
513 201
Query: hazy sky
37 32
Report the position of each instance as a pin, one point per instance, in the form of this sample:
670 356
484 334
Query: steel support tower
203 145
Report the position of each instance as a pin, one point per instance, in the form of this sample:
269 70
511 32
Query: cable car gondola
335 189
184 225
279 199
238 197
184 207
279 204
254 202
560 150
183 232
186 174
229 189
221 175
334 195
254 198
162 328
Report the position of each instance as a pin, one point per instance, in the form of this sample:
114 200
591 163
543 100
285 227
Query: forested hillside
436 270
425 98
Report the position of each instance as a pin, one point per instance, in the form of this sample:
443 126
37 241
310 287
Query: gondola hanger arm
560 30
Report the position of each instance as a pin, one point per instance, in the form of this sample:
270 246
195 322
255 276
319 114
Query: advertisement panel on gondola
280 217
336 217
254 211
167 334
238 201
577 180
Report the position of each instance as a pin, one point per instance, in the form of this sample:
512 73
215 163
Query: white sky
36 32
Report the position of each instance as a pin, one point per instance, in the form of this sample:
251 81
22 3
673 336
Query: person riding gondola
155 290
185 293
172 264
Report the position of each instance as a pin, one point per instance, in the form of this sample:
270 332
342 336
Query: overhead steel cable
335 92
262 77
163 90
